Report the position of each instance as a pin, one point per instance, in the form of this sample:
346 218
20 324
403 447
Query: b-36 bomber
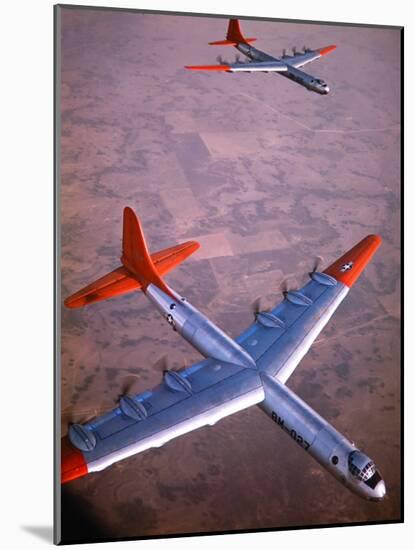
251 369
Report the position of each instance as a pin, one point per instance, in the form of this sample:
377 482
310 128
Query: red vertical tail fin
234 36
234 33
135 255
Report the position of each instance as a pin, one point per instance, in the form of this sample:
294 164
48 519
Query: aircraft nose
327 89
380 490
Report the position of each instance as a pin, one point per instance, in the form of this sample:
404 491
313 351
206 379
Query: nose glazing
380 491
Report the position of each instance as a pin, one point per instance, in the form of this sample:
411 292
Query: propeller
221 60
260 304
128 383
284 52
164 364
317 262
238 58
286 285
294 50
306 49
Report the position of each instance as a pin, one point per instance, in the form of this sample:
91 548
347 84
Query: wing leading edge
215 391
301 59
261 66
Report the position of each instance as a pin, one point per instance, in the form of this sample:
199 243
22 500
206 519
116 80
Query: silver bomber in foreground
251 369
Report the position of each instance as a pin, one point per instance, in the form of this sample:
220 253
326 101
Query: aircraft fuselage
321 440
197 329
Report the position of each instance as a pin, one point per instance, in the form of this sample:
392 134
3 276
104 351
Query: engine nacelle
317 437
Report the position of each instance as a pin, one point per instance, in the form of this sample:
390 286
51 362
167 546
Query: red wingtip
327 49
350 266
224 68
73 464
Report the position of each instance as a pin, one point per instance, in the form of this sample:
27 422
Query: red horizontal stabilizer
224 68
112 284
139 268
350 266
169 258
327 49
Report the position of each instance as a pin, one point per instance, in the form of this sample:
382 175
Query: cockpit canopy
361 466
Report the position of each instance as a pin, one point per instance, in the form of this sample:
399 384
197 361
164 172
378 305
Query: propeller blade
294 50
284 286
288 283
263 303
318 261
164 364
78 417
258 305
284 52
238 59
129 383
221 61
105 406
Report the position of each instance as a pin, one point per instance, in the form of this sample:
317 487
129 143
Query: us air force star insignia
346 267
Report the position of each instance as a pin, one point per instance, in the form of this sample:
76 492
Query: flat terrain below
266 175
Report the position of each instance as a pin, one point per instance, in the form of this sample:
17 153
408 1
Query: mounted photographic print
228 255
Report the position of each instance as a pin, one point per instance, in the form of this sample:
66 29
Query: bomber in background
258 61
251 369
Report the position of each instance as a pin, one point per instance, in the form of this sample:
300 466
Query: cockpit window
360 466
367 472
373 481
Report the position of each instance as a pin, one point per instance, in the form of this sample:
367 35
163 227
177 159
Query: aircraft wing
279 338
200 395
302 59
262 66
